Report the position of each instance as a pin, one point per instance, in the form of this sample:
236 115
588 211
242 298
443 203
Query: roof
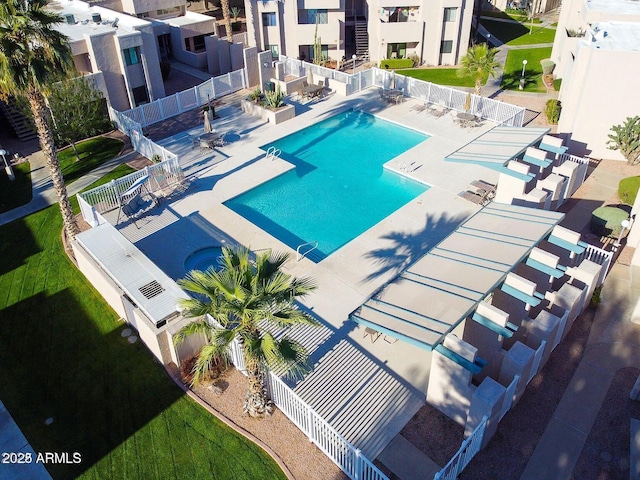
624 36
440 290
498 146
625 7
133 272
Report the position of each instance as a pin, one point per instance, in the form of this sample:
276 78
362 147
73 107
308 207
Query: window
275 52
450 14
306 52
396 50
194 44
399 14
168 11
310 16
269 19
140 95
446 46
131 55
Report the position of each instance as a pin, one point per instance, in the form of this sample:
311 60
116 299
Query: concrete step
406 461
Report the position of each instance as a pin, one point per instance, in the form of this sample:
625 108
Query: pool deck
383 384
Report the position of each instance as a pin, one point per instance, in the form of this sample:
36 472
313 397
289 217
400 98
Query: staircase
362 40
22 125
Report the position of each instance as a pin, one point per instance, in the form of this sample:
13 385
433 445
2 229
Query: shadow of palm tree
408 247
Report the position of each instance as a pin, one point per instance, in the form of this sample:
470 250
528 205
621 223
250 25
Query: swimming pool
339 188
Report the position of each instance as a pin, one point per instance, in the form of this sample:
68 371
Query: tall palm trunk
226 15
256 402
41 119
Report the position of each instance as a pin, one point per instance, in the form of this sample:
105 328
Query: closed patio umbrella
207 121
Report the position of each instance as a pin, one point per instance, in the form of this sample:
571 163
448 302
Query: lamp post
524 66
354 57
7 167
625 224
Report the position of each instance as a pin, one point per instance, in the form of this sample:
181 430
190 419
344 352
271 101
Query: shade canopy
439 291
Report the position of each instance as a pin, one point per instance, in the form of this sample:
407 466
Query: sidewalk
43 191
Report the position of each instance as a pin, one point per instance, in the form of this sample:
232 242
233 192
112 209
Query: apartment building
437 33
597 55
121 44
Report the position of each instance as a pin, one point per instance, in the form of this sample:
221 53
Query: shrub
394 63
553 111
606 221
256 95
274 99
547 66
596 298
628 189
156 158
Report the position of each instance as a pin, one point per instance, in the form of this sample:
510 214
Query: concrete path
43 192
406 461
14 444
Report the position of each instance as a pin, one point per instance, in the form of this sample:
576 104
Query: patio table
209 140
311 91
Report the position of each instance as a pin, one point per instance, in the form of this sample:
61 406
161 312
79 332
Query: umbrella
207 121
467 103
309 76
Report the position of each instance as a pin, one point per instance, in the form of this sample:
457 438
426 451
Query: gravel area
303 458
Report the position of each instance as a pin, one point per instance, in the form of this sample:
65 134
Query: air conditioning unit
96 18
70 19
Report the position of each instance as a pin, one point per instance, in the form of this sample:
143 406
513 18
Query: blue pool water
338 188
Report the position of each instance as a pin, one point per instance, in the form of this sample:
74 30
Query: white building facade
597 55
435 33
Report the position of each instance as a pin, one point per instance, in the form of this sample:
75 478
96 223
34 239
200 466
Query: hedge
394 63
607 221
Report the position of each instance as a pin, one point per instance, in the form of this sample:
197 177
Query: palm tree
480 61
246 298
32 56
226 15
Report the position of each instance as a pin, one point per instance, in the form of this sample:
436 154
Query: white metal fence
181 102
332 444
599 256
467 451
494 110
107 197
582 171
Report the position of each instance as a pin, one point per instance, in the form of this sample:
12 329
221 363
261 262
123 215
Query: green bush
547 66
394 63
607 221
553 111
628 189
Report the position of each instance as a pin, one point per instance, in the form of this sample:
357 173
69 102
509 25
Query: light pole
354 57
625 224
524 66
7 167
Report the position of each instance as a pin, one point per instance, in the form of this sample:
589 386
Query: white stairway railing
467 451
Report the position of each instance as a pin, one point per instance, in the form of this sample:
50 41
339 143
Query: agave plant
274 99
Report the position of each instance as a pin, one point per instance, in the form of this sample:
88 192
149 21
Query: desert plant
274 99
156 158
547 66
318 59
553 110
256 95
596 297
235 13
626 138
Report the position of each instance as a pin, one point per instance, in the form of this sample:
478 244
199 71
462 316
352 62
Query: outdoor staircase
362 40
22 125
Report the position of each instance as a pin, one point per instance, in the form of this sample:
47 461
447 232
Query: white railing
467 451
107 197
508 396
599 256
493 110
181 102
333 445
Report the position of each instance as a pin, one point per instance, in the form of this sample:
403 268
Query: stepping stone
132 339
48 421
126 332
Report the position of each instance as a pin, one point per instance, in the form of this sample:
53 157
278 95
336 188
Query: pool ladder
273 153
300 256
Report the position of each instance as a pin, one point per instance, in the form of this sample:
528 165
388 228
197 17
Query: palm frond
207 358
196 327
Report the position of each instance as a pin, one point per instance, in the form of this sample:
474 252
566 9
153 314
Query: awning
439 291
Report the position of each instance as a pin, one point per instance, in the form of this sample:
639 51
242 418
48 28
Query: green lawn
440 76
518 33
17 192
62 356
533 70
628 189
93 153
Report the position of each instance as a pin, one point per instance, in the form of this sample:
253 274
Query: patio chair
321 83
472 197
373 334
